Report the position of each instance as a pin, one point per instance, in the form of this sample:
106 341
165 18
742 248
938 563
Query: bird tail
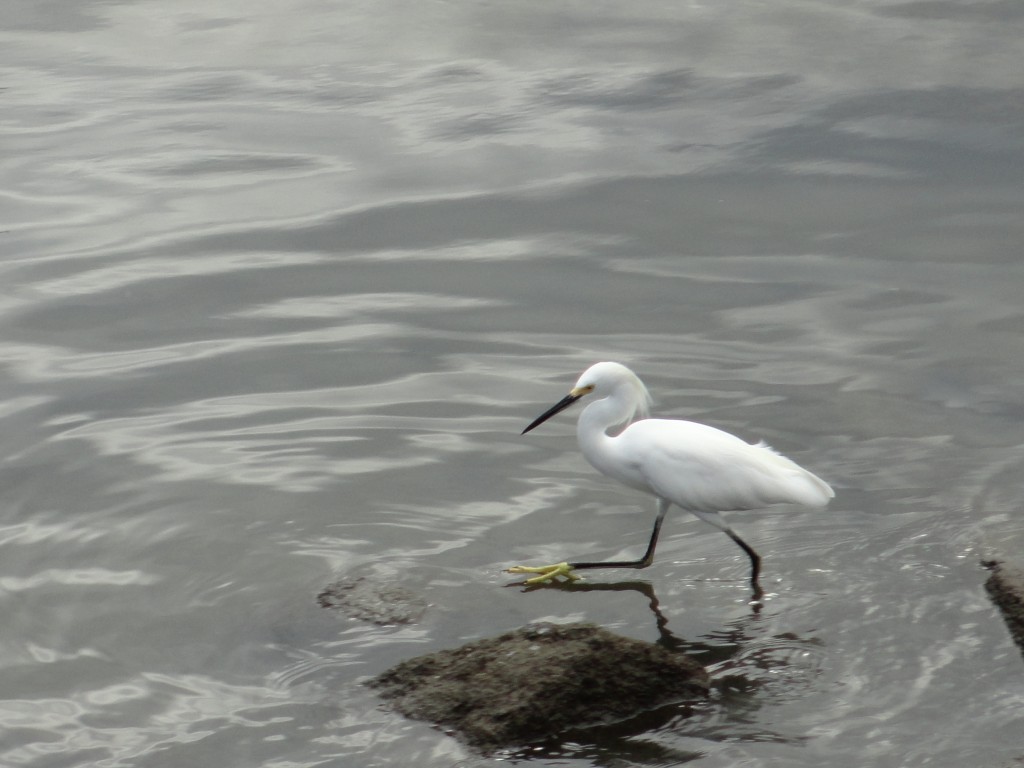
818 491
809 489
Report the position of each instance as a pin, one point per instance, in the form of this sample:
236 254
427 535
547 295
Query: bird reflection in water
746 670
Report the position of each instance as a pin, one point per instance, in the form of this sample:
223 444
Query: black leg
755 561
648 557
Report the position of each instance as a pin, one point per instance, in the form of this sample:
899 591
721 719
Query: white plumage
696 467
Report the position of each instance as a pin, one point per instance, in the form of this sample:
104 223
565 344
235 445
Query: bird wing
700 468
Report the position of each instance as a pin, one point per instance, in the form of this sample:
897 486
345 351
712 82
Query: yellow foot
545 573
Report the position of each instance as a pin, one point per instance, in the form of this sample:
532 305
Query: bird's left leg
552 572
648 556
545 573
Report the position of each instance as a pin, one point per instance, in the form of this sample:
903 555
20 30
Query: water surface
283 282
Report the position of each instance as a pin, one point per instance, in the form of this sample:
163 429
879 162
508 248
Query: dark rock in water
377 602
537 681
1006 588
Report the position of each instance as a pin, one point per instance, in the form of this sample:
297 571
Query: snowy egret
698 468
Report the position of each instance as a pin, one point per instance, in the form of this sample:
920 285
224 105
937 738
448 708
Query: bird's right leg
755 562
716 519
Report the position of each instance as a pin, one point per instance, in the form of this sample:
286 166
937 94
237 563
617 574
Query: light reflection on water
282 287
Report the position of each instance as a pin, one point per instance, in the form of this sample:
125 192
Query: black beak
558 407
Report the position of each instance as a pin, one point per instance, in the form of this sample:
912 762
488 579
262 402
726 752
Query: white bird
698 468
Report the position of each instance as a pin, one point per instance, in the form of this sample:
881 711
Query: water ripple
84 577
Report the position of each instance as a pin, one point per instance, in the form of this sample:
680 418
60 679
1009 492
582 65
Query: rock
537 681
1006 588
373 601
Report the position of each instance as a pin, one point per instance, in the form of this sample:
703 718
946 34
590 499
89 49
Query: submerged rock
537 681
374 601
1006 588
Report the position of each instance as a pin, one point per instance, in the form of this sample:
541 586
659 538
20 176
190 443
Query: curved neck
597 432
598 418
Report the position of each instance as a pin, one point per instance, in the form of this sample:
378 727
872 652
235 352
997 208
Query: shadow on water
743 666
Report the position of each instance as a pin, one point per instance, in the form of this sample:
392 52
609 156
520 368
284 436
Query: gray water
282 282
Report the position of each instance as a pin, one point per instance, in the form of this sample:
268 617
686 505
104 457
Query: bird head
603 380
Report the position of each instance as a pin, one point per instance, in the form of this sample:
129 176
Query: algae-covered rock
379 602
537 681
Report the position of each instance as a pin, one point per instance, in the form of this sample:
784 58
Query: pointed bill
558 407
